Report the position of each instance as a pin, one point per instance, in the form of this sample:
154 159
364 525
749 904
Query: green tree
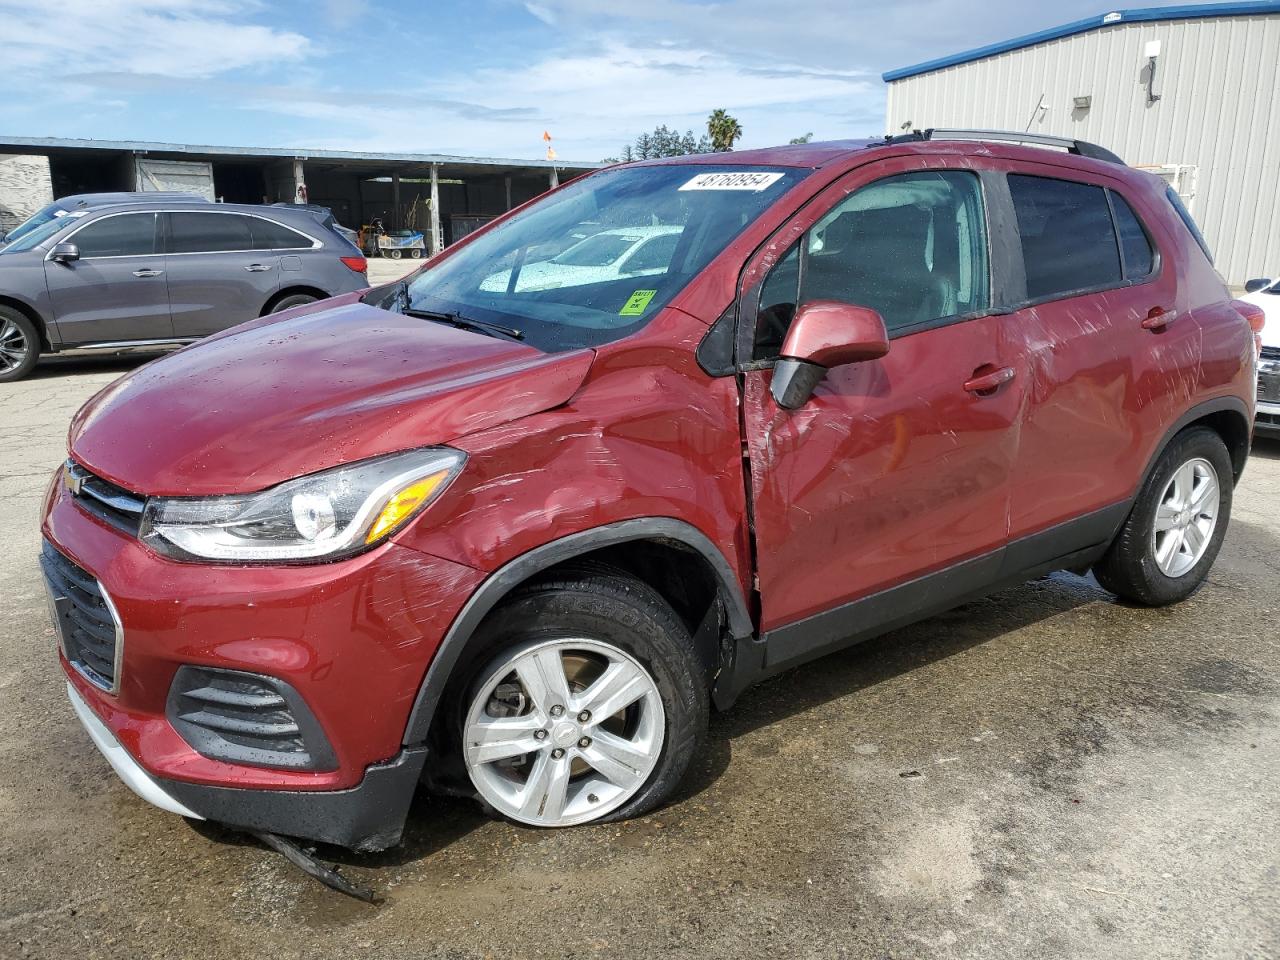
662 142
723 130
805 139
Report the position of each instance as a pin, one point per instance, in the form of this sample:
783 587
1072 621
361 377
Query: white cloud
541 12
179 38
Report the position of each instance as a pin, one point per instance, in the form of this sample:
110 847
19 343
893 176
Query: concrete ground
1043 774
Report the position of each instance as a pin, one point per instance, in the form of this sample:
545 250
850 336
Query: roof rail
1079 147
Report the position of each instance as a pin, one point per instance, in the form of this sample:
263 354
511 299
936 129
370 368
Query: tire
416 253
393 253
291 301
19 345
609 625
1143 565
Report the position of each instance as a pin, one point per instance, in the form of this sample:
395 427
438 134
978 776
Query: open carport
444 196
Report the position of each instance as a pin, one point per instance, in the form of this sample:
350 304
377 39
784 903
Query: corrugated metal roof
300 153
1180 12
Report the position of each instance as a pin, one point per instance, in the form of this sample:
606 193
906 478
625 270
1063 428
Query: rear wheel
19 345
1173 534
393 253
291 301
589 706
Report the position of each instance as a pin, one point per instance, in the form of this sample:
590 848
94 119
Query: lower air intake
247 718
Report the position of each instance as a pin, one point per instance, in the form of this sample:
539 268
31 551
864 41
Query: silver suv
149 276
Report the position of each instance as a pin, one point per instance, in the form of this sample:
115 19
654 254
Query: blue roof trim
1186 11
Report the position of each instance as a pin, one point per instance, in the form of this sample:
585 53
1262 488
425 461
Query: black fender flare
515 572
1225 404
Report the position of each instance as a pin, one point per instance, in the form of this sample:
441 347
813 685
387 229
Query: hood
282 397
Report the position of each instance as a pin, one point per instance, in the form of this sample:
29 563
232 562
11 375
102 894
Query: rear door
116 291
896 473
1097 398
218 275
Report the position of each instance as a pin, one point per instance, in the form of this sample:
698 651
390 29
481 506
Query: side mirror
65 252
1253 286
824 334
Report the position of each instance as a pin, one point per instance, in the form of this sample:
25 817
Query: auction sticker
752 180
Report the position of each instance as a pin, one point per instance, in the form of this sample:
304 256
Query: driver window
912 247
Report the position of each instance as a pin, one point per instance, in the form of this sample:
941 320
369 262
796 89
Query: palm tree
723 129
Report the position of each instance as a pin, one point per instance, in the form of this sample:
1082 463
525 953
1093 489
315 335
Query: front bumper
1267 420
353 638
367 817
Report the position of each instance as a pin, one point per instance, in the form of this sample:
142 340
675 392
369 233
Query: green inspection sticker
636 304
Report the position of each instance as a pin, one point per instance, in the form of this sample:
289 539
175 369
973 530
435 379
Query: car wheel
589 704
415 253
1173 534
19 345
293 300
393 253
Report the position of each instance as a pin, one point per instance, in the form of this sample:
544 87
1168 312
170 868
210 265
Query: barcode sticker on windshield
741 180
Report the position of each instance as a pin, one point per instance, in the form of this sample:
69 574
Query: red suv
513 526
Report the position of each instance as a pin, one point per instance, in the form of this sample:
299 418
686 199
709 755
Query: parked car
1264 293
515 543
150 276
607 255
84 201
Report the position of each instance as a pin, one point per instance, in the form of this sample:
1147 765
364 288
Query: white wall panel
1219 84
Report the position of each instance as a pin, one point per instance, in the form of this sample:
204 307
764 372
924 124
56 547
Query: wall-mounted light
1152 52
1082 103
905 126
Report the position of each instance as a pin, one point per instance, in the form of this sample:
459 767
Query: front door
216 276
117 291
893 481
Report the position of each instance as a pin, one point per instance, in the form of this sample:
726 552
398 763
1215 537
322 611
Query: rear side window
209 233
1185 216
273 236
1135 246
124 235
912 247
1068 239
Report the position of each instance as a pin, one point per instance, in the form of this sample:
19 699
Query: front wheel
589 707
19 345
393 253
1173 534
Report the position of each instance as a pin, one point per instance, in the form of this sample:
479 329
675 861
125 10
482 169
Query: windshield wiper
405 306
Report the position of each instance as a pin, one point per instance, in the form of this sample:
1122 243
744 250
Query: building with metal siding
1192 92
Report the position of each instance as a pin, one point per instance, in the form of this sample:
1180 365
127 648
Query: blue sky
482 78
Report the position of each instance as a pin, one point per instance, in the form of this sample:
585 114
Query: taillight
1257 318
358 264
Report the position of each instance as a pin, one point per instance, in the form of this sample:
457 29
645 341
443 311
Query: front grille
86 621
1269 387
247 718
104 499
1271 353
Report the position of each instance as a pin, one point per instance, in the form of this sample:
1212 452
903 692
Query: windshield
37 235
41 216
563 290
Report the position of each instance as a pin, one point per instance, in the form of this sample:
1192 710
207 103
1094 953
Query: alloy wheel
562 732
1186 517
13 345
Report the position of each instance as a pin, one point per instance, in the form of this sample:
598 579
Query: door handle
1158 318
988 383
258 267
147 272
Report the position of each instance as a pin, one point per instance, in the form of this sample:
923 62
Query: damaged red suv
512 527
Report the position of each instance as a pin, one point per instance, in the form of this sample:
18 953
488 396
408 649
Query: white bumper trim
134 777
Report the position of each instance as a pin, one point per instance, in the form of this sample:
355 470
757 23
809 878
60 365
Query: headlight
326 515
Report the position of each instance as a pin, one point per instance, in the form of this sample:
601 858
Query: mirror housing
1260 283
824 334
65 252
